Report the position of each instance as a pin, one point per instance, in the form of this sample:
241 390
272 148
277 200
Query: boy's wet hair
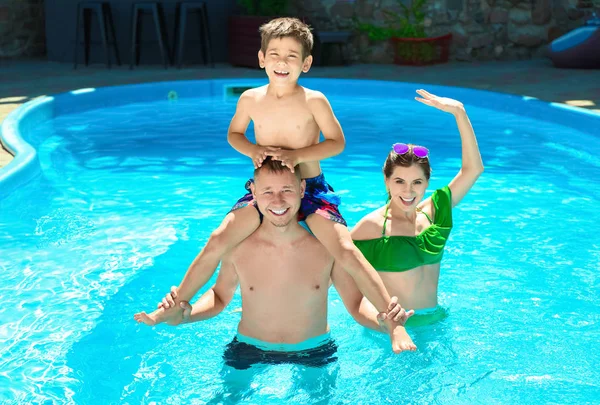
287 27
275 166
405 160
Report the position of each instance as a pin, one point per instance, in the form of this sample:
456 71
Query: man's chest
284 270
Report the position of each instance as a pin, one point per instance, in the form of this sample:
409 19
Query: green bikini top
402 253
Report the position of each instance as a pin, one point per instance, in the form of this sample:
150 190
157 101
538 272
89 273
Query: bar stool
339 38
85 10
184 8
138 10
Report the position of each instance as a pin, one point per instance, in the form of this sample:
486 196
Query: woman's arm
472 165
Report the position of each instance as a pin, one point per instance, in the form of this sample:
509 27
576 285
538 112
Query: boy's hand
441 103
261 153
288 158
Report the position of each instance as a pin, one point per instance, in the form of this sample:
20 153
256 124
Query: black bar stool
182 10
138 10
339 38
85 10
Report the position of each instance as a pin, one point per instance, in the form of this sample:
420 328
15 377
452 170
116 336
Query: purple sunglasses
418 151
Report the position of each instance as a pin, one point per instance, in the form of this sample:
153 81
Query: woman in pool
404 240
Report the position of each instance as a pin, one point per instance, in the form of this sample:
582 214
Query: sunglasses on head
418 151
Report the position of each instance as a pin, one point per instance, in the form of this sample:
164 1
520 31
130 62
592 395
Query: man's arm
212 302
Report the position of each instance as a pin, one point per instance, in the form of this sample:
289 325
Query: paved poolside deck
21 81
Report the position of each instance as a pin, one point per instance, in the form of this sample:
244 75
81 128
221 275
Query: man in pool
284 274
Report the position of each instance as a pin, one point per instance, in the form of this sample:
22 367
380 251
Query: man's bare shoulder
311 245
307 245
370 226
312 252
250 244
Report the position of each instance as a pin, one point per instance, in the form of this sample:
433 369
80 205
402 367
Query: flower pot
244 39
421 51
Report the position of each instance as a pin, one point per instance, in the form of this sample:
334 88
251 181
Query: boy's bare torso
286 122
284 288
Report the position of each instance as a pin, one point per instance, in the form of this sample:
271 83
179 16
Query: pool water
129 195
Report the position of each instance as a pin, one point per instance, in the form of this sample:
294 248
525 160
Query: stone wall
22 28
482 29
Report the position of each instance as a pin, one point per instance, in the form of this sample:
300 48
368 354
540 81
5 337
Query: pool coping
25 166
21 169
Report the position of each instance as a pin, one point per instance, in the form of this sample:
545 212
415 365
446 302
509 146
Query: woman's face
407 186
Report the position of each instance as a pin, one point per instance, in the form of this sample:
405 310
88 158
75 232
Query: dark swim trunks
319 198
243 354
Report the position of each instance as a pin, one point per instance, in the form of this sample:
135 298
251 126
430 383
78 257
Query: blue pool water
127 186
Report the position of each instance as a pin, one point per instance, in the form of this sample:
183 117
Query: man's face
278 196
283 60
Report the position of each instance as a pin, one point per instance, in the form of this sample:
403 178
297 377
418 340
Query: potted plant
243 35
406 31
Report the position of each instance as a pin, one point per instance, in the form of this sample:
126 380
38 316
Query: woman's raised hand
441 103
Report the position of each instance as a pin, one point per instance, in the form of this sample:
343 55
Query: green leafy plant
264 7
406 29
416 52
408 23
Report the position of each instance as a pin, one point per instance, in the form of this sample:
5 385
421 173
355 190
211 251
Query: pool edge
25 166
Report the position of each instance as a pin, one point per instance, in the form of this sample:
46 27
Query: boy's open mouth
281 73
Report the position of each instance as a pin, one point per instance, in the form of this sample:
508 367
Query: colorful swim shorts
319 198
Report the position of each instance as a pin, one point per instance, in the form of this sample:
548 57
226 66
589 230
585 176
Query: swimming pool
128 183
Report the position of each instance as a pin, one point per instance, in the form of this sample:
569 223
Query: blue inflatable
579 48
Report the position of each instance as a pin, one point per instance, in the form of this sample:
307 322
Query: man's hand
288 158
169 300
395 312
173 316
393 322
260 154
168 311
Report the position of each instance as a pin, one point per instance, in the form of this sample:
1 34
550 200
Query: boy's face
283 60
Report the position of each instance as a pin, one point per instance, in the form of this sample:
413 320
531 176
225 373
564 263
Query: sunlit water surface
130 194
